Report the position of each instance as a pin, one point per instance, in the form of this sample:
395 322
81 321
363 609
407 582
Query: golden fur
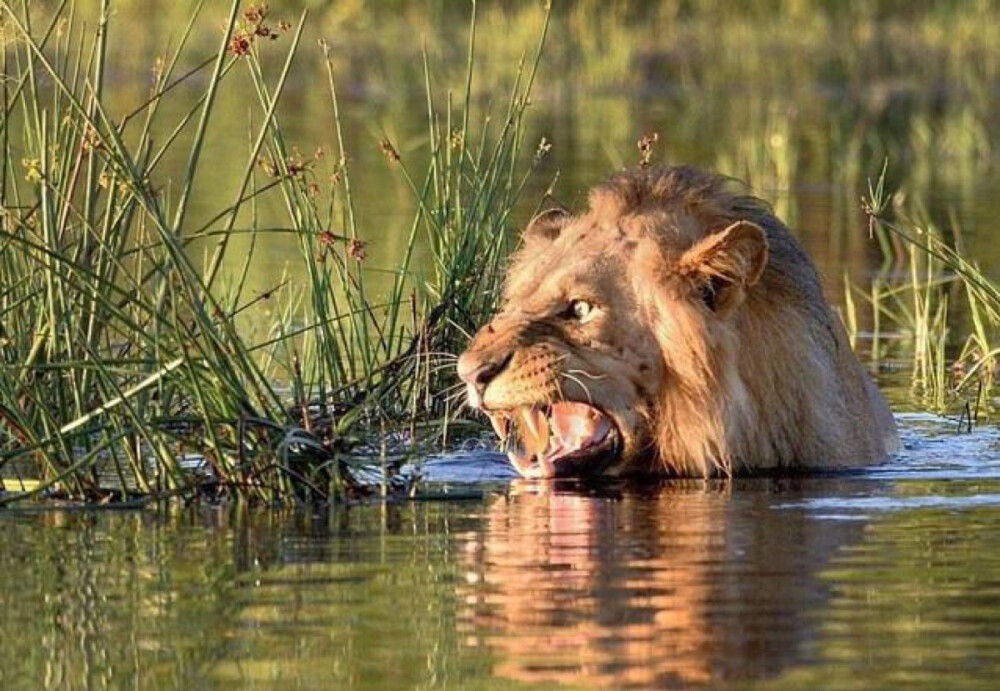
709 344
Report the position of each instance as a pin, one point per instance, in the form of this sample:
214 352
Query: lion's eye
581 310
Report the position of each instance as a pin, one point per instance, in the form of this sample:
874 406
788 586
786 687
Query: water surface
869 580
879 579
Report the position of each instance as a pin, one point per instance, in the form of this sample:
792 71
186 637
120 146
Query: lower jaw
597 460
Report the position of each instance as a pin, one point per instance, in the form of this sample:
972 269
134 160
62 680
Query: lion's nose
479 369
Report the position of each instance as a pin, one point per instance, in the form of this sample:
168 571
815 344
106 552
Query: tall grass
926 280
124 369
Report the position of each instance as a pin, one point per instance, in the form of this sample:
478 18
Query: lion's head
674 326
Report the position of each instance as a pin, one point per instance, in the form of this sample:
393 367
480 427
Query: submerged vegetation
122 355
139 348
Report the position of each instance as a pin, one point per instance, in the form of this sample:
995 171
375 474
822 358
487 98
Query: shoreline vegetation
122 357
925 281
133 363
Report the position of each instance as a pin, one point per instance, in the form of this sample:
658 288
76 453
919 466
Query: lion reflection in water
671 587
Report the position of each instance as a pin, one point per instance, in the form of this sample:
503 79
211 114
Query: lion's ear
546 225
726 263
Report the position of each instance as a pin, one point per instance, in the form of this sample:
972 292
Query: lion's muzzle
477 368
543 433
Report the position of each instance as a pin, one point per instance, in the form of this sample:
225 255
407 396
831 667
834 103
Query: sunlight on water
885 578
846 580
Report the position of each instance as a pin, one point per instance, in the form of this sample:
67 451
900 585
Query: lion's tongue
567 428
576 424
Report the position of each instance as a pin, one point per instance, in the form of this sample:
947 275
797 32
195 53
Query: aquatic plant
139 347
914 297
126 368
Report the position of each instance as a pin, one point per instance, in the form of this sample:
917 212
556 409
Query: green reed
123 358
927 280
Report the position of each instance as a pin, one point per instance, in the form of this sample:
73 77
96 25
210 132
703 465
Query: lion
675 327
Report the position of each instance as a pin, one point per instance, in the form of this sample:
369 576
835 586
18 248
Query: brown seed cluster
544 147
91 140
645 144
254 26
353 247
357 250
388 150
294 164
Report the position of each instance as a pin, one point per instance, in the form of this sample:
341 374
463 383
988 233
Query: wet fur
715 350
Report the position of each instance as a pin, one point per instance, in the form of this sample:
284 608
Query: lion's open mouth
557 440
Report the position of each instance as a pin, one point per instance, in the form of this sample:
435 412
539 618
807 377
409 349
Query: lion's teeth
501 425
546 467
521 463
535 432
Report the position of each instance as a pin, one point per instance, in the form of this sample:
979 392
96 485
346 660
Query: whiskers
579 382
440 360
434 368
454 394
588 375
576 376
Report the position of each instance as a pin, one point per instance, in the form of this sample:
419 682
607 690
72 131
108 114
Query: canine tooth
501 425
528 415
522 464
536 431
545 466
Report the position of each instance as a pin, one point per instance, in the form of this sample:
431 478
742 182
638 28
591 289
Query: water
806 114
878 579
870 580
